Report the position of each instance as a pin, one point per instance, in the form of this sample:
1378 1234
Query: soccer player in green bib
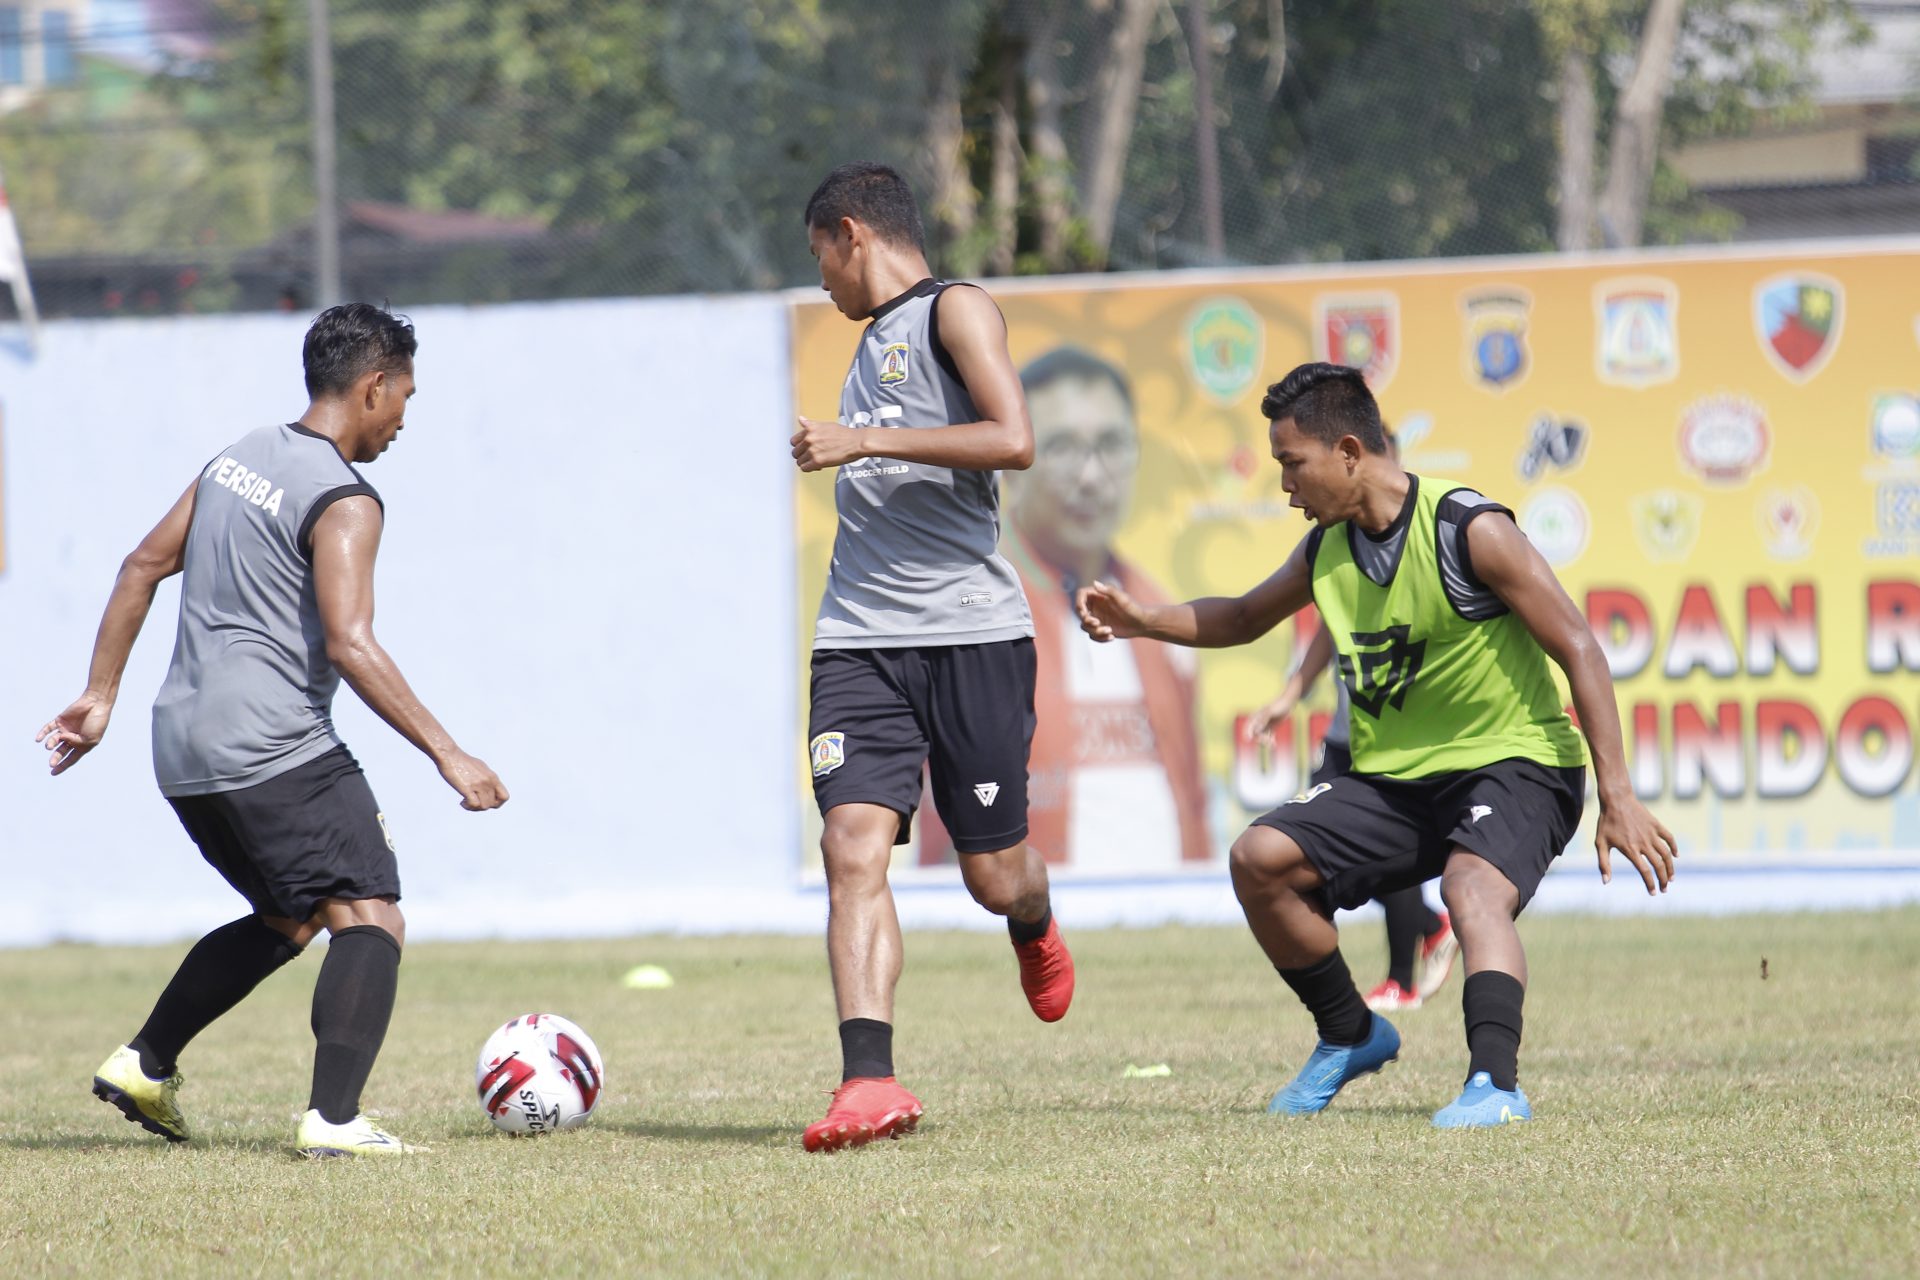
1466 765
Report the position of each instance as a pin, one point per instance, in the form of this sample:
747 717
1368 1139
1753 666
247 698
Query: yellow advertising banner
1718 451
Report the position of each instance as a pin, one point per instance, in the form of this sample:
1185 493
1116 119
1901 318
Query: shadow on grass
745 1134
118 1143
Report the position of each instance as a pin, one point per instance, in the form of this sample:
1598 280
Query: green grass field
1692 1119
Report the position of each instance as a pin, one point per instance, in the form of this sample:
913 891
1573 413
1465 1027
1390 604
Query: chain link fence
159 153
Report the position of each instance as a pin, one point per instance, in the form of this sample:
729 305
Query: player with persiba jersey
1465 763
923 656
276 539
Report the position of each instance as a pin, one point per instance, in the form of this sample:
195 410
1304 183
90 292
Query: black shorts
1335 759
1368 834
290 842
963 712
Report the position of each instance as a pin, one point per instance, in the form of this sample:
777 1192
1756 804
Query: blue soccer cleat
1332 1066
1481 1106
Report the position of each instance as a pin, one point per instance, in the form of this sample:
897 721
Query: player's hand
1270 715
819 445
1627 826
479 787
1107 612
75 731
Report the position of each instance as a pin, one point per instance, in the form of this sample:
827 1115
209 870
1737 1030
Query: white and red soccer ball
538 1074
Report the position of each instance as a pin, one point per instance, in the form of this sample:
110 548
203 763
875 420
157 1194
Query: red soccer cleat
1391 997
863 1108
1046 974
1435 961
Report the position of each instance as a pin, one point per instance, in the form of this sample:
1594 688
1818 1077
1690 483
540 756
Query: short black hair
1077 363
1328 401
346 342
875 194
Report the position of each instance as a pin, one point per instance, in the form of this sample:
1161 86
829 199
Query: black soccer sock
352 1003
1492 1003
216 975
1023 931
1409 919
866 1048
1326 988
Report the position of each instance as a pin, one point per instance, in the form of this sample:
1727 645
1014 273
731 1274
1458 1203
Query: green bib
1441 678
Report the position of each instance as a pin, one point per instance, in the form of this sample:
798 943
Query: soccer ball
537 1074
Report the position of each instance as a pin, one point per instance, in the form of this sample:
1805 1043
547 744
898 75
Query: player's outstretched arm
346 540
70 735
975 335
1510 567
1314 661
1107 612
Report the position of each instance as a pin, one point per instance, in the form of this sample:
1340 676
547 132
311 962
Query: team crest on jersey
1559 443
1556 522
1797 319
1787 519
1497 353
1639 344
1382 670
1225 343
1724 439
1360 331
893 364
829 752
1667 524
386 833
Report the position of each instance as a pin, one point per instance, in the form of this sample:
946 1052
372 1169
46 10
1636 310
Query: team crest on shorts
829 752
1797 318
386 832
893 364
1225 342
1497 354
1638 342
1361 332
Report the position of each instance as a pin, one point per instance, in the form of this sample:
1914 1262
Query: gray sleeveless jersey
916 559
250 692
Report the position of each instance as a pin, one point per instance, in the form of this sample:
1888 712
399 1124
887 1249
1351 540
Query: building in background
1852 167
39 46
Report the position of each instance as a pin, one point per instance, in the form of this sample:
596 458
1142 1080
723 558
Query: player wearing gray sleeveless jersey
248 695
923 654
916 559
276 539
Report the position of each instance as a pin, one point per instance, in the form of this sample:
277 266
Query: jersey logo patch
893 364
1382 670
829 752
986 793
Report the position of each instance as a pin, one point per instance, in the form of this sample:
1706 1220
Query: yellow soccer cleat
152 1104
318 1140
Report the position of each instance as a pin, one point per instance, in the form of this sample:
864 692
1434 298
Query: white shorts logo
1478 812
1306 797
829 752
986 792
386 833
